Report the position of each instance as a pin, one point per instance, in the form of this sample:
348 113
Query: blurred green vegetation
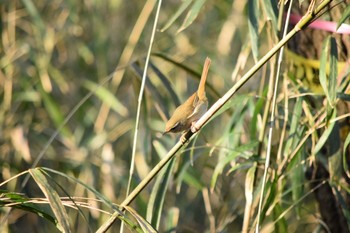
76 67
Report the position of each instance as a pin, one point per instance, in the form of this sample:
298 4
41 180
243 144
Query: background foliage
54 53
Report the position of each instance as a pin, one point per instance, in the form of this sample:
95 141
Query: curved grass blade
146 227
345 154
177 14
121 215
166 83
325 136
191 15
156 200
19 201
54 112
97 194
157 97
54 199
107 97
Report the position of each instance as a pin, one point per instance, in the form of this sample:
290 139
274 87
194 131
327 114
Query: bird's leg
183 139
193 127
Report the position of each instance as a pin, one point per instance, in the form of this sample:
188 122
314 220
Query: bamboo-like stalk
138 112
272 119
309 16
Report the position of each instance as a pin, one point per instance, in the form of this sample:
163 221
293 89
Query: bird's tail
201 87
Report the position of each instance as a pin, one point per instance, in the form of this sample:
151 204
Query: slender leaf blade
177 14
253 26
146 227
54 112
346 151
19 201
156 200
281 226
294 127
53 197
325 135
333 72
107 97
323 67
94 191
270 8
192 14
345 16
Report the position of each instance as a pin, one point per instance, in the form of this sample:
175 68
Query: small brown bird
194 107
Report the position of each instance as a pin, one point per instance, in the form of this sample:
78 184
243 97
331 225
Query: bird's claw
194 129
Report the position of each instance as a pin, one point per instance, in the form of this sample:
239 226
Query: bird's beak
165 132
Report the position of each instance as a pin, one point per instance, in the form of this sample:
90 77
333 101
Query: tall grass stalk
141 93
272 120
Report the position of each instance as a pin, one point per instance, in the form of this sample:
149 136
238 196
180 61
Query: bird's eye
175 126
